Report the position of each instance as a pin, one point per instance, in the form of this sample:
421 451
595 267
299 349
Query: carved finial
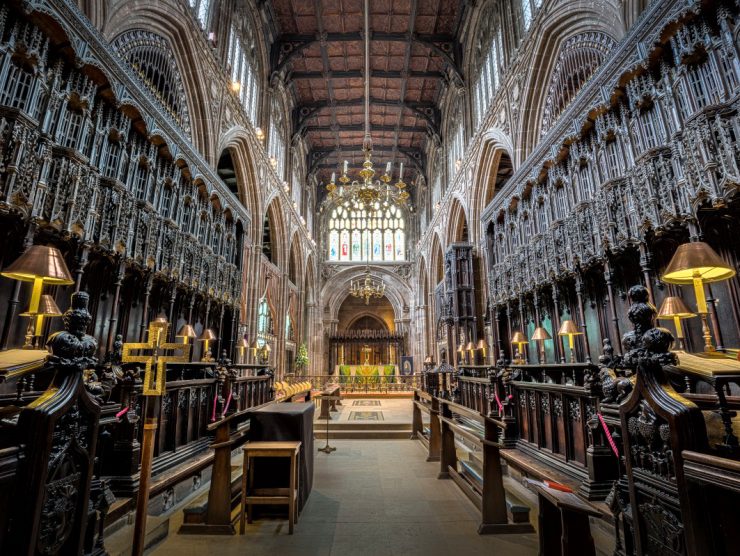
72 348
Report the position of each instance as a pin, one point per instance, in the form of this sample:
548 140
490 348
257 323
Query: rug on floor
366 402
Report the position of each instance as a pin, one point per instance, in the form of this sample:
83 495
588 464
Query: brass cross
154 383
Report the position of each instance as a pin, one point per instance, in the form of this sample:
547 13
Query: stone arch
494 166
273 230
436 270
295 271
166 21
367 315
458 229
336 289
564 22
237 142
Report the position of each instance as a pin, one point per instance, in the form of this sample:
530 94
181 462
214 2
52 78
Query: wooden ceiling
320 52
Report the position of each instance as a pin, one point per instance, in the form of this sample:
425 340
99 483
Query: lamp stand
707 334
571 345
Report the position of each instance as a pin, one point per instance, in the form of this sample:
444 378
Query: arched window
580 56
489 56
359 235
277 139
153 59
200 9
265 331
241 59
529 10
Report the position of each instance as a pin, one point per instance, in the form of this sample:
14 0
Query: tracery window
265 331
153 59
277 139
455 139
241 59
200 9
377 234
580 56
529 9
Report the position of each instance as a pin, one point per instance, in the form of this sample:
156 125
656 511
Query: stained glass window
375 234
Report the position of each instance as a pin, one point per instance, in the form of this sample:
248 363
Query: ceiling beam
317 156
288 46
361 127
357 74
426 110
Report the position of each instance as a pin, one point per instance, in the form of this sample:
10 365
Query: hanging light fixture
364 193
366 287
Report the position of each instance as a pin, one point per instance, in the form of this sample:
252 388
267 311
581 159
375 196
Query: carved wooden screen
153 59
580 56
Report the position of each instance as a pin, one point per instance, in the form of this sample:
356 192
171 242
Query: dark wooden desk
285 422
563 522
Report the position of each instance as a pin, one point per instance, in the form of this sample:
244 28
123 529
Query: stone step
360 425
364 434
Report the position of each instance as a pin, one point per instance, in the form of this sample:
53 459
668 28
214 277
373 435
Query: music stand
328 449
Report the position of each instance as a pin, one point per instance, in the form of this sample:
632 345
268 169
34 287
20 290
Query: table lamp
569 328
697 263
186 332
253 347
483 347
40 264
470 348
243 346
47 308
207 336
674 308
539 336
519 339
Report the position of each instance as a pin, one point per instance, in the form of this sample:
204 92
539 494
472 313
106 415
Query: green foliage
301 359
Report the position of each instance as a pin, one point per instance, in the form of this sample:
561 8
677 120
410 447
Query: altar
366 373
355 349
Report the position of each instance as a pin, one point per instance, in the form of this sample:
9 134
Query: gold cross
154 383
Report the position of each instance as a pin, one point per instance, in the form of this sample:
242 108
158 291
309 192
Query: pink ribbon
608 435
226 407
215 401
122 412
500 405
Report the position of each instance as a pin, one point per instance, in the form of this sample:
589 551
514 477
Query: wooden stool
251 496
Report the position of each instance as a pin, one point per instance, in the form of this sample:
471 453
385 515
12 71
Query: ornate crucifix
153 354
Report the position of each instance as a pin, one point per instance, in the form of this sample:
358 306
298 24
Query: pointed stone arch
458 229
564 22
163 19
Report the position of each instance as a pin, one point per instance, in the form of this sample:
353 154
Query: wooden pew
480 477
425 403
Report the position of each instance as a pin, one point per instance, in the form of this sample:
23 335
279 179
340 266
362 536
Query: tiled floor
370 497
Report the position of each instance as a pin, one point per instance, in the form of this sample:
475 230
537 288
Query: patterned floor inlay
366 402
366 416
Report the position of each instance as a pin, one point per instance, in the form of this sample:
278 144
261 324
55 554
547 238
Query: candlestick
400 172
333 177
388 168
344 167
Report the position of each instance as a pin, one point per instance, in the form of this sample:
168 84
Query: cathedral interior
380 277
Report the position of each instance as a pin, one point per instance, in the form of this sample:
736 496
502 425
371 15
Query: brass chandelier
366 287
363 193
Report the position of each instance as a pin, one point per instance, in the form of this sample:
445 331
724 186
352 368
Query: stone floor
370 497
391 410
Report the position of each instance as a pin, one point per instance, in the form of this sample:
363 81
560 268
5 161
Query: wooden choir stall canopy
366 347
